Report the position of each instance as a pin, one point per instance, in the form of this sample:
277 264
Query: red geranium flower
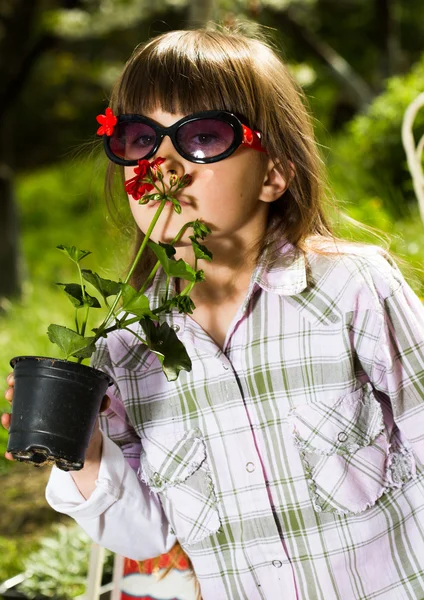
107 122
136 188
142 169
156 163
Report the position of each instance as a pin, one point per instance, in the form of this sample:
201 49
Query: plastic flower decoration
131 305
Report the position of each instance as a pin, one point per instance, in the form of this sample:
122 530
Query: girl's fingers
8 394
8 456
10 380
105 403
5 420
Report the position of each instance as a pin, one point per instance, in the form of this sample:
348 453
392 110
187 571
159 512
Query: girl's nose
173 164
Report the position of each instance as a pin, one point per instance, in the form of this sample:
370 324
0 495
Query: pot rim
63 363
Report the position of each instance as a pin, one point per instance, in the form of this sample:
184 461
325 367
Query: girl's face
226 195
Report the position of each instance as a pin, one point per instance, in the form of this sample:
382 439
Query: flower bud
186 179
173 179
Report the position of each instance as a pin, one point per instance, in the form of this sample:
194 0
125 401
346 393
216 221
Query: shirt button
175 327
277 563
250 467
342 437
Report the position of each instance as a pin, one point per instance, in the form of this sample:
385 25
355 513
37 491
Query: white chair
414 152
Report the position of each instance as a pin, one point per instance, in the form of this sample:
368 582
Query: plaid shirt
289 464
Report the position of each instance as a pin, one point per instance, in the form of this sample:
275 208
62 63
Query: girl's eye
204 138
142 140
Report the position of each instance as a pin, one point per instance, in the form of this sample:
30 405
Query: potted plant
56 401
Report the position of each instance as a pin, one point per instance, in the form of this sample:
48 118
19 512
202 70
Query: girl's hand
94 448
5 418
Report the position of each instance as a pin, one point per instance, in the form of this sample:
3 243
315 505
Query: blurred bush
58 568
369 154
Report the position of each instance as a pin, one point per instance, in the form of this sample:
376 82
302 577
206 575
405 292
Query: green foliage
58 568
105 287
164 342
11 562
136 303
172 267
372 146
70 342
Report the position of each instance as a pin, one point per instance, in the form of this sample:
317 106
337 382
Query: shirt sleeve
398 364
122 514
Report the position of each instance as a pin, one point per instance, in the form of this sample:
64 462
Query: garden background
360 62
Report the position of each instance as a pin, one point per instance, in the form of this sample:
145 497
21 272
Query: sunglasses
204 137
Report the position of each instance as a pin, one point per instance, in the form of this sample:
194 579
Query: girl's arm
107 498
398 364
121 514
390 346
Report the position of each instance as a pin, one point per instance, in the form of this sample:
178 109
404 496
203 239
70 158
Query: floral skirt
164 578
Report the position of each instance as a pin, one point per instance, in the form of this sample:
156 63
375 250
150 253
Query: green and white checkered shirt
289 464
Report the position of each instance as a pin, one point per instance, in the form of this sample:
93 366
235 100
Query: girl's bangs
182 77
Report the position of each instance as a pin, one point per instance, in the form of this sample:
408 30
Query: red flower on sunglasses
107 122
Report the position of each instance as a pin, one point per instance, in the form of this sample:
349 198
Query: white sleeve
122 514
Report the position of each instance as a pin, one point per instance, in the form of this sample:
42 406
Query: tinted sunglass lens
132 140
205 138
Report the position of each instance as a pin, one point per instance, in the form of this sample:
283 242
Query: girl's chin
166 237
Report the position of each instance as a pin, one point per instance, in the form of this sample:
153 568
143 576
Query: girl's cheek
205 176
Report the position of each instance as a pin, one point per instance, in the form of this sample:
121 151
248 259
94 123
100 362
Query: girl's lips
156 202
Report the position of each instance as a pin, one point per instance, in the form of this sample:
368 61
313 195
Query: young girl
288 463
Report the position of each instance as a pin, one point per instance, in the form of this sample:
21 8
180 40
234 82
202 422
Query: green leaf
169 249
74 293
74 253
200 229
106 287
70 342
135 303
200 251
184 304
172 267
163 341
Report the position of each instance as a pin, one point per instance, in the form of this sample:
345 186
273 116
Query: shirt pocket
344 448
175 467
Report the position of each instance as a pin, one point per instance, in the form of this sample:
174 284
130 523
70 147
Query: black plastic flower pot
55 407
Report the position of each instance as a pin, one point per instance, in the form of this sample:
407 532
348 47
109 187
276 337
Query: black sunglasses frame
161 132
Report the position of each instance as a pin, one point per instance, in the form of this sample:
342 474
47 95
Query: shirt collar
281 270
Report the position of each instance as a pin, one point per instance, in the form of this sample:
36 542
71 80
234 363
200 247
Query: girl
289 462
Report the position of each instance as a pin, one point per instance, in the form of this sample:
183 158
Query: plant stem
83 326
135 262
84 300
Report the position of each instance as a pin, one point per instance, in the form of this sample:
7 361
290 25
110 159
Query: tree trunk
9 251
357 89
387 38
18 55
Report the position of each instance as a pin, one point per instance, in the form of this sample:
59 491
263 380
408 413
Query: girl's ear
275 184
